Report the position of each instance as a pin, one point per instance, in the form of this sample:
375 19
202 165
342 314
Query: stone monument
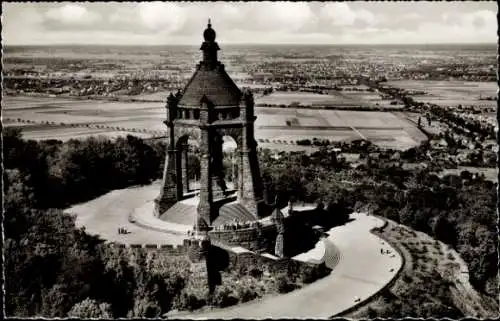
210 106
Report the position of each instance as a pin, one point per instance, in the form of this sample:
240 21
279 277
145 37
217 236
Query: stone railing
169 249
247 237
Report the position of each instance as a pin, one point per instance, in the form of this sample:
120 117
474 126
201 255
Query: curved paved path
360 272
104 215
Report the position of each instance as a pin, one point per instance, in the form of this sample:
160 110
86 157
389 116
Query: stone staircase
233 211
180 213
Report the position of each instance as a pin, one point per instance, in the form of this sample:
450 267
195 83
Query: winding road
105 214
359 272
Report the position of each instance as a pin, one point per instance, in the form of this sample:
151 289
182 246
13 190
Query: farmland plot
303 98
63 119
333 99
451 93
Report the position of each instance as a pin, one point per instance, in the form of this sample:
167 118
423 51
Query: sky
182 23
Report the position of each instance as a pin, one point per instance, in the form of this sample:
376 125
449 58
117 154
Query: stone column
239 156
250 183
250 187
216 169
205 203
185 168
233 170
168 193
179 178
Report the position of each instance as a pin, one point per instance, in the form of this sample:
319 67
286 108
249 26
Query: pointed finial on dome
209 33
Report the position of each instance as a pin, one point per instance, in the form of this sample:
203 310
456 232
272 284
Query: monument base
198 250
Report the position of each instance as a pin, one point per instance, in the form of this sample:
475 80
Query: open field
44 130
304 98
327 118
382 128
65 134
53 118
157 96
333 99
288 135
451 93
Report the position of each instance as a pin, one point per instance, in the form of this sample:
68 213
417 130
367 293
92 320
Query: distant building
262 76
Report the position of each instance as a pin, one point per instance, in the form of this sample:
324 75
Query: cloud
477 19
341 14
291 16
229 10
248 22
71 14
407 21
478 26
158 16
122 19
269 16
366 17
411 16
482 19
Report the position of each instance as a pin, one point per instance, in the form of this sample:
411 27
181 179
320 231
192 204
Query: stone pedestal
198 251
198 247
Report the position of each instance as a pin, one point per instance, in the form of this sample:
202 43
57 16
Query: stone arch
180 141
231 161
235 133
194 133
187 162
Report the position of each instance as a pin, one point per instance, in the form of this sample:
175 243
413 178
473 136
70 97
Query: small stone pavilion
210 107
